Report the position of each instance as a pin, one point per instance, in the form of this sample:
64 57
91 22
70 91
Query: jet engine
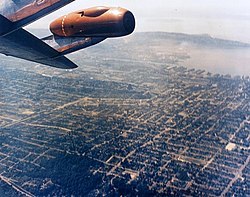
95 22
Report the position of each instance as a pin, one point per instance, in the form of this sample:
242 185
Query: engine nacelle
95 22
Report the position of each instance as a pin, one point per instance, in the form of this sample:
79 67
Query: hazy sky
220 18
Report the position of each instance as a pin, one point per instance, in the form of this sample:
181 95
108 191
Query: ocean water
222 61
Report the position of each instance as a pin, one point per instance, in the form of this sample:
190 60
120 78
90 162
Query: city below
127 122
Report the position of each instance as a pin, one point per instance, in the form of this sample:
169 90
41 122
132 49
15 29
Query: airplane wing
23 44
86 28
23 12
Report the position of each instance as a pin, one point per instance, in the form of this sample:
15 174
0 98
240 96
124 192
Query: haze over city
227 19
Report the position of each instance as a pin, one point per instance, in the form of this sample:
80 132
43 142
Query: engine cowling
95 22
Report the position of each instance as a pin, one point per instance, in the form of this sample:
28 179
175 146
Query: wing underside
24 45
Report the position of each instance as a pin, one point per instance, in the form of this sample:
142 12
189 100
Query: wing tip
71 67
64 63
